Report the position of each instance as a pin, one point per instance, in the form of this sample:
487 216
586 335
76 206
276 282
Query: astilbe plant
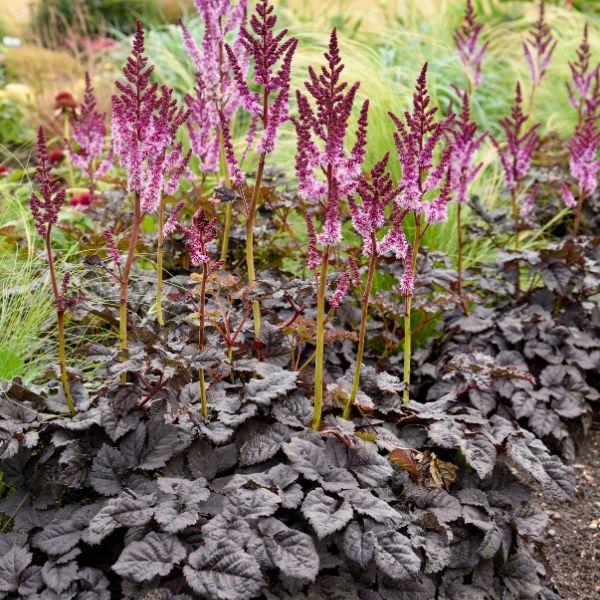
468 46
215 96
584 164
538 50
321 134
197 239
271 55
145 122
521 142
425 191
45 207
465 143
584 89
368 218
88 131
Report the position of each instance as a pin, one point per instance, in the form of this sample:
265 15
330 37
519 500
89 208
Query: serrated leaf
306 458
365 503
108 468
292 551
395 557
12 565
183 509
59 577
58 537
251 503
265 445
156 554
480 454
371 469
223 571
326 514
359 545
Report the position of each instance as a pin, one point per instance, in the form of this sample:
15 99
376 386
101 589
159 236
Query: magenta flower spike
88 130
146 120
521 142
215 91
584 89
539 48
465 143
468 47
326 173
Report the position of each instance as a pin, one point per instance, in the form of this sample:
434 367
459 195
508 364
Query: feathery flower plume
584 89
407 281
216 89
45 207
324 153
313 253
88 131
531 198
340 290
466 40
145 122
465 143
375 193
538 49
584 162
567 195
356 280
520 143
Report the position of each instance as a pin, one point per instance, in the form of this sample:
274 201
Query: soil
573 543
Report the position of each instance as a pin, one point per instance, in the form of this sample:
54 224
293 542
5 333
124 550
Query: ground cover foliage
277 390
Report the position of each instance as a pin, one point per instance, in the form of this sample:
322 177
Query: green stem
517 226
67 133
250 242
459 266
201 336
135 232
320 341
363 332
228 207
63 362
407 317
60 315
159 262
577 221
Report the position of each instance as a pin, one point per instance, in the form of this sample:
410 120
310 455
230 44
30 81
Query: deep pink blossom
271 55
538 49
466 39
531 198
407 281
146 120
465 143
325 172
375 193
46 204
216 88
584 89
521 142
340 290
197 237
416 141
356 280
88 131
584 162
567 195
313 253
